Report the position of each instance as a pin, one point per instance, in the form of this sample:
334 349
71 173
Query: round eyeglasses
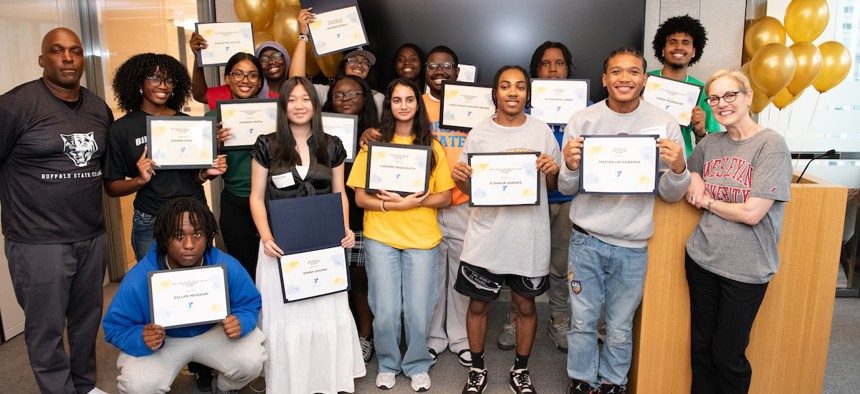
346 96
447 66
729 97
274 56
155 80
238 76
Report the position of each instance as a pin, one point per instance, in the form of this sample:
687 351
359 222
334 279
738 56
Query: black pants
722 312
239 232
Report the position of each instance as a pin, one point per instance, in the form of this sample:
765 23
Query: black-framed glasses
356 61
729 97
558 63
274 56
238 76
155 80
346 96
447 66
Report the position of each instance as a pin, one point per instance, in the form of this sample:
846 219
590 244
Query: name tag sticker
283 180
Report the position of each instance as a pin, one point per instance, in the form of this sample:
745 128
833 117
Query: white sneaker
385 380
420 382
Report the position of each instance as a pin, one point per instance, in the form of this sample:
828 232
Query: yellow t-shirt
415 228
452 142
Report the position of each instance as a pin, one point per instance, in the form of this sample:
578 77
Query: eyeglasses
729 97
155 80
447 66
355 61
274 56
346 96
558 63
238 76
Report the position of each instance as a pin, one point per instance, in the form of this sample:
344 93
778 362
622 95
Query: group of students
427 260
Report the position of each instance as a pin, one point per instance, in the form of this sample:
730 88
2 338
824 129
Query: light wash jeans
401 281
142 233
603 272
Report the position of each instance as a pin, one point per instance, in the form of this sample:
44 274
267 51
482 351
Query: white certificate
344 127
224 39
176 142
312 274
188 297
503 179
337 30
403 169
619 164
247 120
554 101
675 97
465 105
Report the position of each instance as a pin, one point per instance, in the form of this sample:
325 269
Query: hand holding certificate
187 297
177 142
675 97
337 26
224 39
247 119
402 169
619 164
504 179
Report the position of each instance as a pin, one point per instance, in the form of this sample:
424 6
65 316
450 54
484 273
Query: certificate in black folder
309 231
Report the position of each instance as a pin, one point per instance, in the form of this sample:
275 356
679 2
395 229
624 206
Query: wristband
382 206
303 37
200 175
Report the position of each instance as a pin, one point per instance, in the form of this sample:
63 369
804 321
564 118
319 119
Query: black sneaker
465 357
367 349
520 381
609 388
433 356
477 381
202 376
576 386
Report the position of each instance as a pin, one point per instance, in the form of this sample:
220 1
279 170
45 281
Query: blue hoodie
129 311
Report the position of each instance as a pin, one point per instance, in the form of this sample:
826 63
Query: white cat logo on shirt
79 147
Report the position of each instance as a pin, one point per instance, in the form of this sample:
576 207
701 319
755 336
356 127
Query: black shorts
478 283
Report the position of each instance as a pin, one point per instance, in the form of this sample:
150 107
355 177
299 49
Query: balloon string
808 127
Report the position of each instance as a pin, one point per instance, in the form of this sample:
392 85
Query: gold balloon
262 36
330 63
836 63
763 31
784 98
809 61
311 66
258 12
285 29
759 101
805 20
281 4
772 68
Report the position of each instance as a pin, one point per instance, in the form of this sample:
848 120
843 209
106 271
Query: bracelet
382 206
200 175
711 202
303 37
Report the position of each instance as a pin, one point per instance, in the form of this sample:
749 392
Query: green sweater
711 125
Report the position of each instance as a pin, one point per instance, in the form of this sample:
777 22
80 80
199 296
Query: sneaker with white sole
433 356
520 381
558 332
465 357
508 337
367 349
420 382
477 381
386 380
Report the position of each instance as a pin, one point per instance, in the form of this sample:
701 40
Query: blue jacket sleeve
126 316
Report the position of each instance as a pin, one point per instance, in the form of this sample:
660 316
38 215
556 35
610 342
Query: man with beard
678 44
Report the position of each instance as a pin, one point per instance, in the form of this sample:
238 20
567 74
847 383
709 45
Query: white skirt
312 344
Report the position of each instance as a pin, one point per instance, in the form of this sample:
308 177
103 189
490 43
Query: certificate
403 169
345 127
177 142
554 101
338 26
224 39
189 296
247 120
504 179
464 105
619 164
675 97
315 273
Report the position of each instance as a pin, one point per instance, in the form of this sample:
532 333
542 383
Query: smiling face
552 64
624 79
156 96
62 58
435 77
404 104
357 65
729 114
300 109
344 105
242 87
512 93
186 247
275 67
407 65
678 50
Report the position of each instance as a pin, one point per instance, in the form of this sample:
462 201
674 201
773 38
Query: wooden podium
791 333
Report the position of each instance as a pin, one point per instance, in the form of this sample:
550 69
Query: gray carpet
546 364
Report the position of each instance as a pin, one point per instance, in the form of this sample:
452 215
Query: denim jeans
401 281
612 277
142 233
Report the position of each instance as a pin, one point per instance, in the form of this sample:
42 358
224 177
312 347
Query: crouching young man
151 356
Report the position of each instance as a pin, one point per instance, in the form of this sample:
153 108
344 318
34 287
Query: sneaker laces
522 379
476 377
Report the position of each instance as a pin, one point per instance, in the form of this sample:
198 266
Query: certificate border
371 145
537 186
240 103
587 92
445 84
211 120
701 89
354 141
200 56
346 269
656 162
334 6
223 268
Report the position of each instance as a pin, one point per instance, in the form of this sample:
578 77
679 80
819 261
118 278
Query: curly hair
131 75
368 116
168 222
421 127
534 66
680 24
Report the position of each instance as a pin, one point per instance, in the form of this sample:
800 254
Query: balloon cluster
275 20
780 74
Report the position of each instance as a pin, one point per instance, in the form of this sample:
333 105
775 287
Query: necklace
167 262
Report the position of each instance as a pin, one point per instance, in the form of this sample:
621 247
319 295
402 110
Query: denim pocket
143 218
577 238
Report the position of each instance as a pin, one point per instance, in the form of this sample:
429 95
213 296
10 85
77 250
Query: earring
171 94
141 91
